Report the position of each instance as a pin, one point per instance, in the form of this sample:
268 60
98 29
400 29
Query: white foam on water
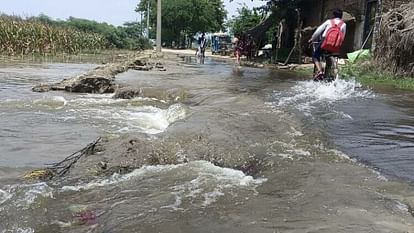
178 201
117 178
211 197
294 132
146 119
402 207
299 152
150 119
23 195
95 99
227 175
4 196
18 230
210 183
343 115
306 95
379 175
56 102
107 99
290 150
342 155
100 96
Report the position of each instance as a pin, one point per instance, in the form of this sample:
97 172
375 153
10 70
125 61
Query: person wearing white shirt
320 34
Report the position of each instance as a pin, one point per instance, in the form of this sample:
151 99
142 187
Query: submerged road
209 148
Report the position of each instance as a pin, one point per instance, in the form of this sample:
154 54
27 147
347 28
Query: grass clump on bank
368 72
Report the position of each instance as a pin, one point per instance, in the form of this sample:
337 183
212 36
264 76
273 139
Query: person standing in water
202 42
237 46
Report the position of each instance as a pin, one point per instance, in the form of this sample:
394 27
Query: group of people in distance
242 45
327 38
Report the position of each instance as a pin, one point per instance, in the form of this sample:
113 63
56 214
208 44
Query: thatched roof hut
395 41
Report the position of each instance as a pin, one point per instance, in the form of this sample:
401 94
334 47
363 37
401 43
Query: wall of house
356 8
316 11
311 12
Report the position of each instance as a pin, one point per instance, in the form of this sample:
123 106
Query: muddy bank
101 79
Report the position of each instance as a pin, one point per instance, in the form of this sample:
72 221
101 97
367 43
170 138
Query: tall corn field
20 37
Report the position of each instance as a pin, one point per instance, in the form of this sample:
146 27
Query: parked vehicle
221 44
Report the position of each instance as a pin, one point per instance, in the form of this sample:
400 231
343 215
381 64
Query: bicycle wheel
331 71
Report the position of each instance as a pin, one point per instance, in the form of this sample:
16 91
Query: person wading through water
327 38
202 42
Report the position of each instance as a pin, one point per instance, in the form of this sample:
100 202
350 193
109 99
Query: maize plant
19 37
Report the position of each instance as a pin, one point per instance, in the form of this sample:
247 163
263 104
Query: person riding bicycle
202 42
328 37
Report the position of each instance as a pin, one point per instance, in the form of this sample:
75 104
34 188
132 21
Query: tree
128 36
246 20
276 10
182 18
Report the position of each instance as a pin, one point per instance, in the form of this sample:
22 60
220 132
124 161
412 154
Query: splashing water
306 95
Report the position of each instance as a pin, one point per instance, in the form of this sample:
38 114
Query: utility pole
377 25
141 25
158 26
148 16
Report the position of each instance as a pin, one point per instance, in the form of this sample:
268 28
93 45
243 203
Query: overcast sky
112 11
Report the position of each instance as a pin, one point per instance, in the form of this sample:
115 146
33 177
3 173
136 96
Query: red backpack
334 37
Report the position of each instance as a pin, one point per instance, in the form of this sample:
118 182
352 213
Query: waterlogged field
241 150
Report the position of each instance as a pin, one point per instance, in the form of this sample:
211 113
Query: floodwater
320 157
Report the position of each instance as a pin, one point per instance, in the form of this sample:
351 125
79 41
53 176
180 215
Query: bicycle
329 62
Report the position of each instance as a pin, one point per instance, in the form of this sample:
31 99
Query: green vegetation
244 21
43 35
128 36
19 37
367 72
181 19
304 70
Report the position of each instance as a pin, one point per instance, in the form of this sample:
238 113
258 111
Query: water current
37 128
372 127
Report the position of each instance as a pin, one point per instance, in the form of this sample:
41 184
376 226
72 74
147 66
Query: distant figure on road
237 46
202 42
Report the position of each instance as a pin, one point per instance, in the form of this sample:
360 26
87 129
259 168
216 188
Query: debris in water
83 215
40 174
87 217
62 167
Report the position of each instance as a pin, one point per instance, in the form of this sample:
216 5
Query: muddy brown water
209 148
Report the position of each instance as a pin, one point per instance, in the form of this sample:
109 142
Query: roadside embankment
368 72
101 79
